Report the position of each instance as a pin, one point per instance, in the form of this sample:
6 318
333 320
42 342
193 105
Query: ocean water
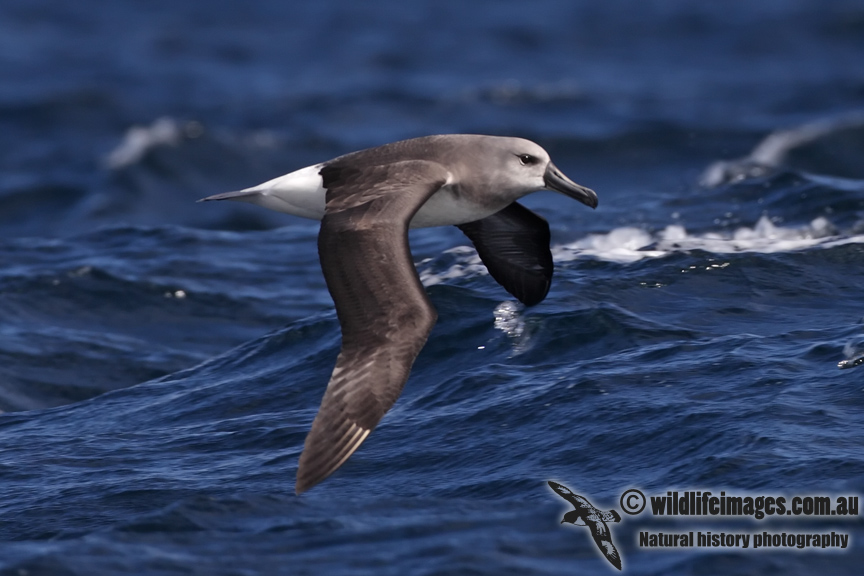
161 361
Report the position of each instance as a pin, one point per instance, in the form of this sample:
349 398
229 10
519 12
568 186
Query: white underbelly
302 193
447 209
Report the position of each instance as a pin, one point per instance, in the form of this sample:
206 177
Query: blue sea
161 361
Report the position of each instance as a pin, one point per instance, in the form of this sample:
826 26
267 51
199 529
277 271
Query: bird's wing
383 310
514 246
579 502
603 538
610 516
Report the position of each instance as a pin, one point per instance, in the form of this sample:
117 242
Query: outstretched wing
383 310
514 245
579 502
603 538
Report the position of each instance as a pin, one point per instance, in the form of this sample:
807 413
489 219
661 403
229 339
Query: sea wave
831 146
629 244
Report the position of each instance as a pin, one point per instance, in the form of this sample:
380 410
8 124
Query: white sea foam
854 353
630 244
633 244
468 264
774 150
168 132
510 319
139 139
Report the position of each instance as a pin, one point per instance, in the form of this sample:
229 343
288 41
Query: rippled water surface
161 360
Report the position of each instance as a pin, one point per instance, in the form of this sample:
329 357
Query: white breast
445 208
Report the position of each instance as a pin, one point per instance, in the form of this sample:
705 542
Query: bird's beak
558 182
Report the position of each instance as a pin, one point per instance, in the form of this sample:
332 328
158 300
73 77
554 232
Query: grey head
491 171
512 168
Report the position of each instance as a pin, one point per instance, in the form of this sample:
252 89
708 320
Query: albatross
366 202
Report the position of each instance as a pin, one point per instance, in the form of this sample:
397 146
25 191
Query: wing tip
307 480
302 485
533 297
316 465
607 548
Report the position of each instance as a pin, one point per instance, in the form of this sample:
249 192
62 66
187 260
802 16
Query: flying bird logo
585 514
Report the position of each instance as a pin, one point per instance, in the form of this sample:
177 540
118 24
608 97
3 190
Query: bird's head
573 517
522 167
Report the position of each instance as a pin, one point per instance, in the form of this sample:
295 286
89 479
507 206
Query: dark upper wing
383 310
514 246
603 538
579 502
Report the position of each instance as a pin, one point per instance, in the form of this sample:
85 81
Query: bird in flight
585 514
366 202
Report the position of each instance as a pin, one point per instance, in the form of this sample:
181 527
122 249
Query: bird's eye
527 159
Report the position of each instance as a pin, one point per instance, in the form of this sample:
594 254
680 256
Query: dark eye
527 159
